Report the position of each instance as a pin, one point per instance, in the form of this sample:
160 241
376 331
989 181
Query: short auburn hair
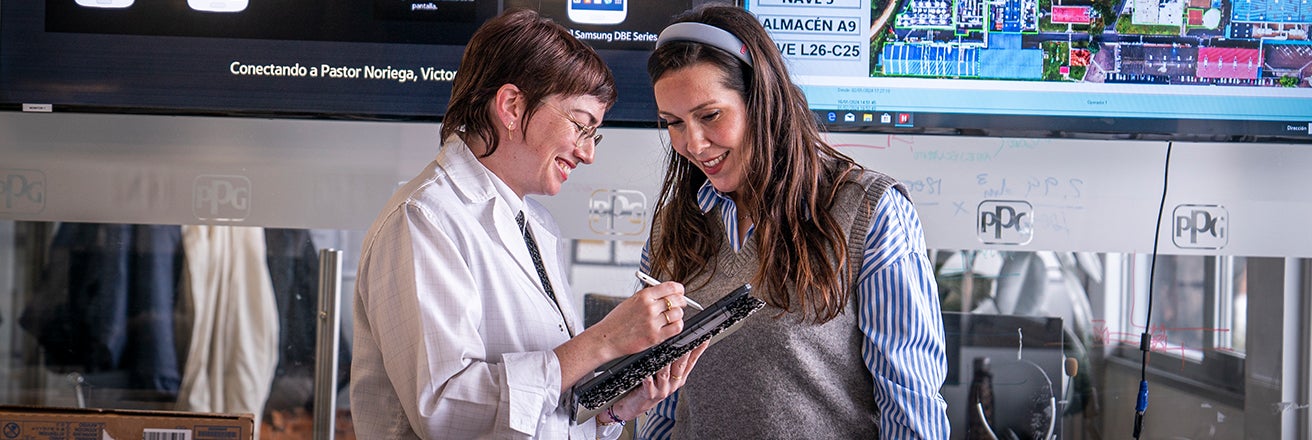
534 53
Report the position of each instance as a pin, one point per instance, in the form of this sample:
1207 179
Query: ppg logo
617 212
1005 222
221 198
1201 227
22 191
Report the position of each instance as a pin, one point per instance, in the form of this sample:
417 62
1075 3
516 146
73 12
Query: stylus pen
649 281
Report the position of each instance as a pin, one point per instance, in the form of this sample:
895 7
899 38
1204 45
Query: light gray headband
705 34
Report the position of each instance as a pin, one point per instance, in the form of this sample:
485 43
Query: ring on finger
675 377
667 317
668 305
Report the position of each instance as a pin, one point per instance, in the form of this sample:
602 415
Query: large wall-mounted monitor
340 59
1230 70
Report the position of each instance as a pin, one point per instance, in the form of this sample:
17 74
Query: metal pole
325 353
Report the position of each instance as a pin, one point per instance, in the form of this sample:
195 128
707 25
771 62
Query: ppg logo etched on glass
22 191
1200 227
1005 222
617 212
221 198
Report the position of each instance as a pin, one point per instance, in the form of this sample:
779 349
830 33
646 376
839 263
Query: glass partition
110 315
1066 326
170 317
1228 321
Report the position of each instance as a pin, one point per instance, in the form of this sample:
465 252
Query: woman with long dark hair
850 344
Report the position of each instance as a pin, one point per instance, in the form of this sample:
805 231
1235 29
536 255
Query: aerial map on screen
1247 61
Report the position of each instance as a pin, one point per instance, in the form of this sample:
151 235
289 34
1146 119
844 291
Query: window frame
1217 371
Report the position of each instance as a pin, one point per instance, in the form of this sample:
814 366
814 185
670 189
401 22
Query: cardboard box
45 423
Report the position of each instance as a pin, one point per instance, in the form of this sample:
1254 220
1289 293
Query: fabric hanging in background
294 269
234 339
104 306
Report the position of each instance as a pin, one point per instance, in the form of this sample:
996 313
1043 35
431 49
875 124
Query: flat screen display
1228 70
346 59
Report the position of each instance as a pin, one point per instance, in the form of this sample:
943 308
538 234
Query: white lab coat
453 331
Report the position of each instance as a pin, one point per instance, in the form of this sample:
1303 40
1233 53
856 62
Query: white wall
1097 196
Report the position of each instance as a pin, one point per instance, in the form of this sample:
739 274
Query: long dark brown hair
790 181
532 52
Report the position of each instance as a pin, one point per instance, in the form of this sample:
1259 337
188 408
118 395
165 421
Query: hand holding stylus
649 281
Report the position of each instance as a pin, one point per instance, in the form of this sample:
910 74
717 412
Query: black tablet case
617 377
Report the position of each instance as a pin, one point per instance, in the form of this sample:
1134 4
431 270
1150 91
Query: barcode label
166 434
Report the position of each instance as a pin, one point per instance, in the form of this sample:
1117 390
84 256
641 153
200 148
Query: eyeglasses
585 131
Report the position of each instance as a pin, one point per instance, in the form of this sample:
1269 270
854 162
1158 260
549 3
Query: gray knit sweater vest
777 377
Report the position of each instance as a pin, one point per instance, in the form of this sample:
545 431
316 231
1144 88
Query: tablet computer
615 378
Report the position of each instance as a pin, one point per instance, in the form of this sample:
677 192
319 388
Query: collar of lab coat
473 183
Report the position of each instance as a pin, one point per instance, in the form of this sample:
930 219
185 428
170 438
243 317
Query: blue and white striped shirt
899 314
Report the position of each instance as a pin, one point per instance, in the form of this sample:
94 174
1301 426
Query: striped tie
537 256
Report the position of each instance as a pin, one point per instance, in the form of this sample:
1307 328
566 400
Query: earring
510 125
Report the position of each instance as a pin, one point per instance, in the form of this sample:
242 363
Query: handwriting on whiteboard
1031 187
953 156
929 186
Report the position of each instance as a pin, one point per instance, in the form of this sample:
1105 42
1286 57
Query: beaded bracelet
610 412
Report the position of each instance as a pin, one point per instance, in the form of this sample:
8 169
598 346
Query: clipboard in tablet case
617 377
